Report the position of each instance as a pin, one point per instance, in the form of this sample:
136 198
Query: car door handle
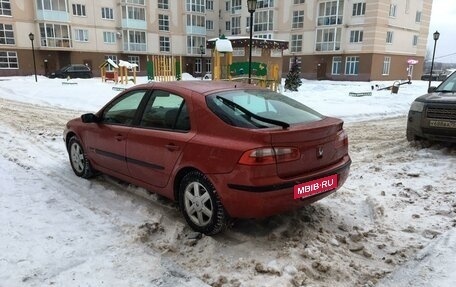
119 138
172 147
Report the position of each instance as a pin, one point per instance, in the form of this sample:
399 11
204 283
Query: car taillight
342 139
264 156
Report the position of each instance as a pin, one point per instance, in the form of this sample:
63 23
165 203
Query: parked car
73 71
433 115
222 150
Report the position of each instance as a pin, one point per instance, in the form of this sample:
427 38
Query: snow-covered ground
392 224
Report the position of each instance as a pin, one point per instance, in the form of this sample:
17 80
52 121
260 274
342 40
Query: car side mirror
431 89
89 118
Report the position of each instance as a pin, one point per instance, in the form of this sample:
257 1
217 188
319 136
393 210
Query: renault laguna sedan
222 150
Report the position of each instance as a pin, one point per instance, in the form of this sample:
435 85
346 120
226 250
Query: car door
154 147
106 140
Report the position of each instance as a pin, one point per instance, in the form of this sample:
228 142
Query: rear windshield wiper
444 91
232 104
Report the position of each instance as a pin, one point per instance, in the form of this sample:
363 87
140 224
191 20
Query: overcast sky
443 19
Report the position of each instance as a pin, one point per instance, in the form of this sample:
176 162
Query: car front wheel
201 205
78 159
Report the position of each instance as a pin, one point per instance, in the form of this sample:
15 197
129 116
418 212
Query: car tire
78 159
200 204
410 135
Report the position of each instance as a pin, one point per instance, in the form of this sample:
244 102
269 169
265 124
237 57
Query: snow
392 224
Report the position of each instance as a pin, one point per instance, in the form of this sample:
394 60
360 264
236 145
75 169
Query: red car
221 149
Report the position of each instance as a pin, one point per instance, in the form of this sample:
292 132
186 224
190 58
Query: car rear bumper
252 200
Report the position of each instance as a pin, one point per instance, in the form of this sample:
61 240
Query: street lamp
202 52
32 37
436 37
251 6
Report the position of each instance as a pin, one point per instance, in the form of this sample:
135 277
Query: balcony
134 24
50 15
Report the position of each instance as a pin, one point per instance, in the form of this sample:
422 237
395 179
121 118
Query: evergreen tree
293 80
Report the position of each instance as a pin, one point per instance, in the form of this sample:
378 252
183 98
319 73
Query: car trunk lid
320 144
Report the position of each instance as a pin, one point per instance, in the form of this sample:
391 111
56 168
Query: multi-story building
332 39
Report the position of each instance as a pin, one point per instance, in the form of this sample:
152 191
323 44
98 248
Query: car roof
201 87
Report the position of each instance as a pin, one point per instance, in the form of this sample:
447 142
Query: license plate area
442 124
314 187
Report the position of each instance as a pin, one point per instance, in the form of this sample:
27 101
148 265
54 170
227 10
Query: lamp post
251 6
32 37
436 37
202 52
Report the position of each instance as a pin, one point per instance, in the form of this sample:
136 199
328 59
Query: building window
356 36
134 13
209 25
52 5
389 37
386 66
265 4
299 1
165 45
292 61
79 10
208 65
113 58
328 39
109 37
415 40
263 21
196 21
55 35
236 5
227 25
296 43
418 17
329 13
236 25
198 66
210 5
163 4
81 35
135 41
134 60
298 19
352 65
8 60
5 8
195 6
393 10
336 68
359 9
6 34
107 13
137 2
193 44
163 22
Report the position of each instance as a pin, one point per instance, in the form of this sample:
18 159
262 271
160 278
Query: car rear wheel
78 159
201 205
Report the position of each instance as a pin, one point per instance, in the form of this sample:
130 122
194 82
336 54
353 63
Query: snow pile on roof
223 45
111 62
126 64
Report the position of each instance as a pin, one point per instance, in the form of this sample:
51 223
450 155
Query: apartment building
332 39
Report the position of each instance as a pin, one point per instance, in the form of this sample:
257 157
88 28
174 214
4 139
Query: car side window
166 111
123 111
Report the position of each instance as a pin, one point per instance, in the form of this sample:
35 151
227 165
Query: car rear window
259 109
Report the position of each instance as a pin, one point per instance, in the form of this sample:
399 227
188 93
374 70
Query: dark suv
73 71
433 116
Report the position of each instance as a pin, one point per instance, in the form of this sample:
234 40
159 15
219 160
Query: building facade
332 39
